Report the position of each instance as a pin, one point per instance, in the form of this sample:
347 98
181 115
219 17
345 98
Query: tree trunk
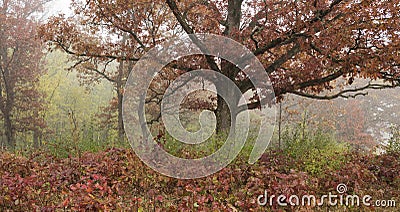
9 131
36 143
2 142
223 116
123 70
280 125
222 112
121 131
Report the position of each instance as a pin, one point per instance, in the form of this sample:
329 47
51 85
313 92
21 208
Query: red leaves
117 180
21 66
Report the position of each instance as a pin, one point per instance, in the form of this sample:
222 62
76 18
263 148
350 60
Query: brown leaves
21 66
304 45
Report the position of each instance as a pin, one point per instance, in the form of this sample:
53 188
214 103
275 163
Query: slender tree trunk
7 99
36 143
280 125
36 133
9 131
121 131
122 70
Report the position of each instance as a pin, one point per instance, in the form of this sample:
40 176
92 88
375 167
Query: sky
58 6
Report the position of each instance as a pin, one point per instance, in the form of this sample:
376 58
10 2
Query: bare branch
102 73
344 93
134 35
71 52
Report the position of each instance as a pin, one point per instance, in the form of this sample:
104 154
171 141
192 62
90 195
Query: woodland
333 65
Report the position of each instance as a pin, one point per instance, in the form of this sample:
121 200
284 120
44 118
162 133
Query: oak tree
304 46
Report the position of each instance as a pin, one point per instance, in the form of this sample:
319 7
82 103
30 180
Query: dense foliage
304 46
116 179
313 49
21 104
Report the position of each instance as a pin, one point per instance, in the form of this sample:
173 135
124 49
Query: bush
318 151
393 145
116 179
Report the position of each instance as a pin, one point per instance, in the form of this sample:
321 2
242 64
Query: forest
199 105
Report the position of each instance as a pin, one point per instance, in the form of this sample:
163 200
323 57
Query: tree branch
134 35
344 92
71 52
101 73
283 59
292 34
319 81
178 15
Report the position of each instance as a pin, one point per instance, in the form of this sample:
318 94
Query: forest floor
115 179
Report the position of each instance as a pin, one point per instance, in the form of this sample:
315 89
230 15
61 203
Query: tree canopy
20 68
304 46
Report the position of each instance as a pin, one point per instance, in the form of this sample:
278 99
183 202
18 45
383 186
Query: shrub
116 179
318 151
393 145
